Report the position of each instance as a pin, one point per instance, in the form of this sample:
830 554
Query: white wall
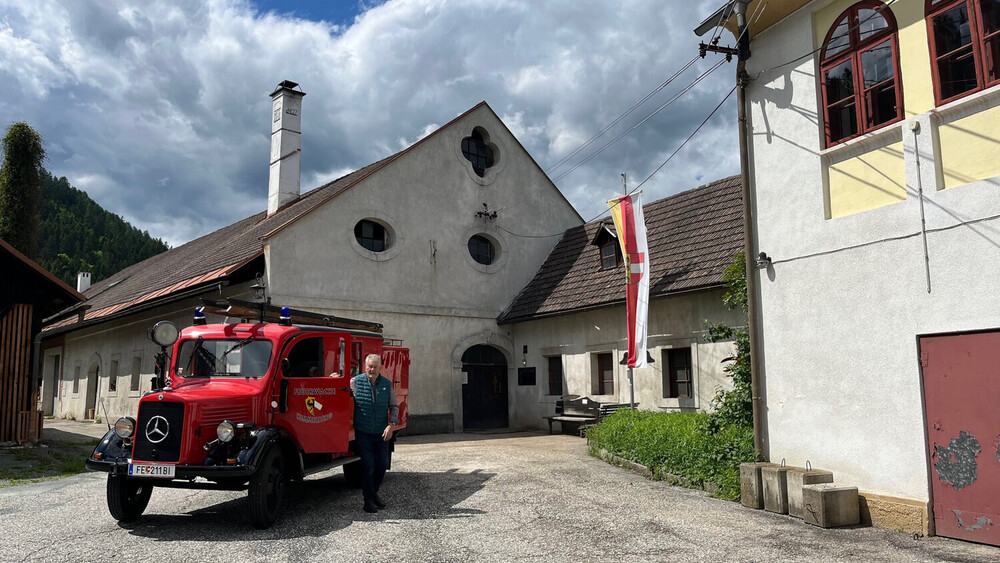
674 322
426 289
846 298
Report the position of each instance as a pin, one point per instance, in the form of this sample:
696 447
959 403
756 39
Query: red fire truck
248 405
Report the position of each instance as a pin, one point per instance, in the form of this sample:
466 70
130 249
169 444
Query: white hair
371 357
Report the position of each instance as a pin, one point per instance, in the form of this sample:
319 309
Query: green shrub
677 443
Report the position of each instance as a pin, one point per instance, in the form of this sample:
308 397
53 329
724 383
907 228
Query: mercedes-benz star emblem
157 429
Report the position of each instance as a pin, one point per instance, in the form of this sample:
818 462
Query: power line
627 131
663 106
684 143
618 119
689 137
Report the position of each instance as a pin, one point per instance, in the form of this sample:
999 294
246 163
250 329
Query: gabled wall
426 288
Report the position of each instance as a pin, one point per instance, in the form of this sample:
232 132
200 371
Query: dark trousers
374 452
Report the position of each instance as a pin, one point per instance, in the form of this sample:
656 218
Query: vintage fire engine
250 405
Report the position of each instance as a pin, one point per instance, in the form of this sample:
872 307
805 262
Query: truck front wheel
127 498
267 488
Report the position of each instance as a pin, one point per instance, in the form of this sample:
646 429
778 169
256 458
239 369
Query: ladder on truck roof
272 314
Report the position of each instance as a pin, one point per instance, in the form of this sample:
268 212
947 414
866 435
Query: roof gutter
615 303
145 306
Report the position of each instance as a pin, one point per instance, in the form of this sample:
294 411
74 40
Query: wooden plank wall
18 421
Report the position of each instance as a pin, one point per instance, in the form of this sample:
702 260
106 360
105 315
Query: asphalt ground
458 497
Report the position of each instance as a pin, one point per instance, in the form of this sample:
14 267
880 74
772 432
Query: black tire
267 489
127 498
352 473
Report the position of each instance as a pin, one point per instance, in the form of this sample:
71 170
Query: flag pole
631 384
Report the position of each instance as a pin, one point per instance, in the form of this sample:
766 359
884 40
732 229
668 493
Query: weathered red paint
961 378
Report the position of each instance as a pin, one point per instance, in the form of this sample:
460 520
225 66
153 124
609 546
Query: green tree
734 408
80 236
21 188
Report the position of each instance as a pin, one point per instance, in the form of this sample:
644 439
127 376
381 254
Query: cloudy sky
159 109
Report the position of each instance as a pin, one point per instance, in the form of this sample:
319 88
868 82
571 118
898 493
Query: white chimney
82 281
286 145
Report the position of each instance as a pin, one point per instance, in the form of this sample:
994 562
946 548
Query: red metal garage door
961 376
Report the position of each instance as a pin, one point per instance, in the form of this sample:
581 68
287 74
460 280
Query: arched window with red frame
964 37
859 68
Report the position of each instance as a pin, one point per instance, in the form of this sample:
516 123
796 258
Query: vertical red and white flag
631 226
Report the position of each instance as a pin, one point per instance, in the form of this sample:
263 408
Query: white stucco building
874 173
568 323
418 241
439 243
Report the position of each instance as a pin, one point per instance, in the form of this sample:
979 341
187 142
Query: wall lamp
763 260
524 357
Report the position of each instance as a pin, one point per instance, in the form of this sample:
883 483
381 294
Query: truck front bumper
183 472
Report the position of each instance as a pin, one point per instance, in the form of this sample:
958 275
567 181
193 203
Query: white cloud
161 106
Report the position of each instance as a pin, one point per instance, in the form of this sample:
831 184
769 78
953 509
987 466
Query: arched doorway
484 395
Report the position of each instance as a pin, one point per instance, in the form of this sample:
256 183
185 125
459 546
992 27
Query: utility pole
742 52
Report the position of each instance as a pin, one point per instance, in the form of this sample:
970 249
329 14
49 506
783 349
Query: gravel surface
459 497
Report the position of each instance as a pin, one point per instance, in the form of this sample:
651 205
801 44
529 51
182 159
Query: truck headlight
125 427
226 431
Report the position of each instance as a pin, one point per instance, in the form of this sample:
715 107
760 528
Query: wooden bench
574 411
581 413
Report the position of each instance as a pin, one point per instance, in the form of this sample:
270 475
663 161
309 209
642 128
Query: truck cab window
306 358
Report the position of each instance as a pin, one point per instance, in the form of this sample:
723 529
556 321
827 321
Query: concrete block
797 477
775 481
829 505
751 489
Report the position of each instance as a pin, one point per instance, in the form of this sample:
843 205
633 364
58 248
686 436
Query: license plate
151 470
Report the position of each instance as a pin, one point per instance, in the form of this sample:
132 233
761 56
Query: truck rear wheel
267 488
127 498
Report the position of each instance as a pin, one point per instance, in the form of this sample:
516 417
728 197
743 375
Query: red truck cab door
317 394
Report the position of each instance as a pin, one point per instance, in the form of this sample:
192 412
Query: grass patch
678 443
27 464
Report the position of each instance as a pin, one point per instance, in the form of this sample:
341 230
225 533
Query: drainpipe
742 80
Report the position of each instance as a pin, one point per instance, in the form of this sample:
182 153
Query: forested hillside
78 235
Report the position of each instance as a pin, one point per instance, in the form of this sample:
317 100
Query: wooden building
28 294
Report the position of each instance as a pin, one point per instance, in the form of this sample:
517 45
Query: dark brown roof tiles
692 238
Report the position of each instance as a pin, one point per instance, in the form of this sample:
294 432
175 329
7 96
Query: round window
371 235
482 250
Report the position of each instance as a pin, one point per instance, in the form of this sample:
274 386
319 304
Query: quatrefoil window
479 151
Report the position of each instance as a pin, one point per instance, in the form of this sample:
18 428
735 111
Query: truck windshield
206 357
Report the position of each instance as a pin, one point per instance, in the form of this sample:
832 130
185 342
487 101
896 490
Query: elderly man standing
376 413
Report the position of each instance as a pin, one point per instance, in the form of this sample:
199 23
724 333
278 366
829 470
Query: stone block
775 481
797 477
751 489
829 505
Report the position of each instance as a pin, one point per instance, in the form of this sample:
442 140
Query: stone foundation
895 513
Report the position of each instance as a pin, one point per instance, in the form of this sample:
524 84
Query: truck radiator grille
212 416
158 432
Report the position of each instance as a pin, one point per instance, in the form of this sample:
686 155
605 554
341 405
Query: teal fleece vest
371 413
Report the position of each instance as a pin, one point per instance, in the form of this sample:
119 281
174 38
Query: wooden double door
484 393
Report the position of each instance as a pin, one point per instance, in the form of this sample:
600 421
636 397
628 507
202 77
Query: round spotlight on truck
125 427
226 431
164 334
